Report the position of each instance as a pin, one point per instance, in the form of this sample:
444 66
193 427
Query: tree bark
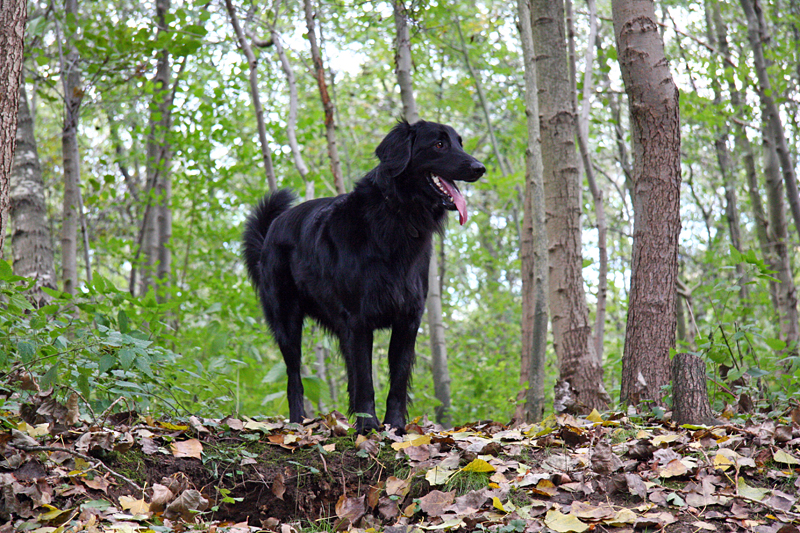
30 232
252 64
13 14
439 366
327 104
569 314
73 95
157 223
757 34
655 130
779 236
533 242
690 403
582 134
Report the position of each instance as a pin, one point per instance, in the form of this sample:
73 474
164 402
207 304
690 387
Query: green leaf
106 362
126 357
6 272
26 351
50 377
775 344
122 320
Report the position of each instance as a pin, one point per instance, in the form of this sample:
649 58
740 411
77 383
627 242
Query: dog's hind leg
286 322
356 345
401 361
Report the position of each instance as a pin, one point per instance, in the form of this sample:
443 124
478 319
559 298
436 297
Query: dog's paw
365 425
396 422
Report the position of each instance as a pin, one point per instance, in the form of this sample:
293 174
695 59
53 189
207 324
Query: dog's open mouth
451 195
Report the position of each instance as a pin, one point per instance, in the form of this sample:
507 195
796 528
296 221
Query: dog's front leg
401 361
357 350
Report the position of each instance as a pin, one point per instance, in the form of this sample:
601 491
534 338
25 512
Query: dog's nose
477 168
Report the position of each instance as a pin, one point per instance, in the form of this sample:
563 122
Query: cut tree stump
690 403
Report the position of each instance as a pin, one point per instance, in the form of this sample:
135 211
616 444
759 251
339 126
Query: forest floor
613 473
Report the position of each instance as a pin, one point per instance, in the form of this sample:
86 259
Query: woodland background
158 309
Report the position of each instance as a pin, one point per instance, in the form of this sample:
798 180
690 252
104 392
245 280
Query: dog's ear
394 152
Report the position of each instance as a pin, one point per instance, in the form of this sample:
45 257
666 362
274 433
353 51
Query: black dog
359 262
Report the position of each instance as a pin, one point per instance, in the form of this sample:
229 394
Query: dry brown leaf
387 507
592 512
604 460
278 486
187 448
434 503
161 497
396 486
545 487
97 483
186 506
351 509
674 468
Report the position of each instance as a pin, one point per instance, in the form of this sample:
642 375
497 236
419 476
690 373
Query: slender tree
582 135
73 96
327 103
30 233
533 240
757 35
439 368
252 63
655 131
13 14
569 315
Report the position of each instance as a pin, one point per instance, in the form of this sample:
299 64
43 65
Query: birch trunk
569 315
439 368
327 103
30 232
757 34
533 241
73 94
252 65
13 15
655 130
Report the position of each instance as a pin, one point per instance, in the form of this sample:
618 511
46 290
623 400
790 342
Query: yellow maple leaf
478 465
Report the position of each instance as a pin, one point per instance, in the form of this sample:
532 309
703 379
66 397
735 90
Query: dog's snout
477 168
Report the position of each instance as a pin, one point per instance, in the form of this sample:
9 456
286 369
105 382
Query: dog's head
423 160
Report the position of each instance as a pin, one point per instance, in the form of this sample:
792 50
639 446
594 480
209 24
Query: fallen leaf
438 475
592 512
187 448
673 469
545 487
136 507
161 497
781 456
434 503
186 506
396 486
478 465
278 487
754 493
564 523
351 509
621 518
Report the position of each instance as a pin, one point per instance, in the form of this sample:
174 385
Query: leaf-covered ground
130 472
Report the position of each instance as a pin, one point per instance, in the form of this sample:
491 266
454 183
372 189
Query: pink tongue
461 204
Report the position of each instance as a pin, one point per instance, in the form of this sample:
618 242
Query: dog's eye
439 145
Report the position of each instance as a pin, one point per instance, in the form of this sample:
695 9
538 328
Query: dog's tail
256 226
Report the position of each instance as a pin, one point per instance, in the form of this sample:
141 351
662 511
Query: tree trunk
13 14
779 252
157 222
569 315
726 168
73 95
655 130
439 367
30 232
690 403
745 150
533 242
252 64
327 104
757 34
291 122
582 134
